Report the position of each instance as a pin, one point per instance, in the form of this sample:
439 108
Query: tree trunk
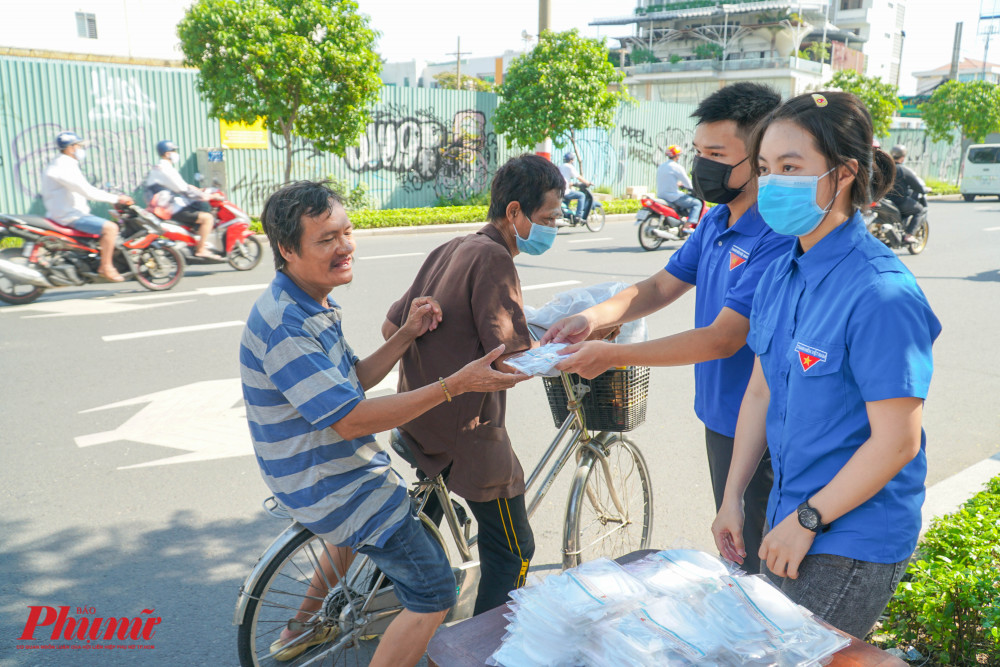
287 132
576 150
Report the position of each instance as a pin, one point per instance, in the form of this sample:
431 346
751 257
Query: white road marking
173 330
562 283
232 289
992 229
401 254
203 419
591 239
73 307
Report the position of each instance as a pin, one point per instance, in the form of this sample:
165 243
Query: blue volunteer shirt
838 326
299 379
725 263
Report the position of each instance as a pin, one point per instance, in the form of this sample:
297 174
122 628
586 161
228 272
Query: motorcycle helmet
166 146
66 139
898 151
568 157
673 150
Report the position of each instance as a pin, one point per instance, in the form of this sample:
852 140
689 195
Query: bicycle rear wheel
285 585
610 510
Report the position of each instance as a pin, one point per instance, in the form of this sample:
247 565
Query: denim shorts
417 566
847 593
90 224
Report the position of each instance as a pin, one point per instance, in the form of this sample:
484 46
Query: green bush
948 605
619 206
477 199
354 198
942 187
602 189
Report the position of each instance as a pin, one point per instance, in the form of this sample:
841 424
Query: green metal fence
421 145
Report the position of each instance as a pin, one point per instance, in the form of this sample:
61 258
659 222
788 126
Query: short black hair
745 103
284 209
524 179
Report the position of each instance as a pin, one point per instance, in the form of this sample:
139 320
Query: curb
946 496
457 227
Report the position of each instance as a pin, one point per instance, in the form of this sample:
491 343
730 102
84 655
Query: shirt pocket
816 388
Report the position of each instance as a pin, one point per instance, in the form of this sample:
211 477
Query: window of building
851 4
86 25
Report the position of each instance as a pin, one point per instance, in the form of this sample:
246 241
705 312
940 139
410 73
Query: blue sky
427 29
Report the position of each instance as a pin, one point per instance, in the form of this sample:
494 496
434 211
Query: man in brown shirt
475 281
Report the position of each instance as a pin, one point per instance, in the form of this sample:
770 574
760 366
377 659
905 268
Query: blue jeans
580 201
847 593
689 204
417 566
90 224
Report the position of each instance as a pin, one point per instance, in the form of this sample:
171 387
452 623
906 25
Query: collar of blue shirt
748 224
307 303
830 251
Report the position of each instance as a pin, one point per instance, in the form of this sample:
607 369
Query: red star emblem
807 360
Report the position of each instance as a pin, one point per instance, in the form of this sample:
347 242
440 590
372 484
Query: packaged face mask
538 361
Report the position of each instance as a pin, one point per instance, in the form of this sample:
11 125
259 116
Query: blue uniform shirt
838 326
725 263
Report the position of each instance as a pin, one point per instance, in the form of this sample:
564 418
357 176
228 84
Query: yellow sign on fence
243 135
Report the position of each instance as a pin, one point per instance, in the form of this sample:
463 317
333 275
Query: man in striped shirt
312 426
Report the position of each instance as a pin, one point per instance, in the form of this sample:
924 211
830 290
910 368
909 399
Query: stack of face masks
677 607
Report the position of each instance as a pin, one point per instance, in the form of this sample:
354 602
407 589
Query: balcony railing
799 64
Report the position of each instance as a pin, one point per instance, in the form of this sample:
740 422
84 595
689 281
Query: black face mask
711 180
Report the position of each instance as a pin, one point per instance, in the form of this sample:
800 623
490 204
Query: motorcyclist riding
584 200
65 192
905 190
669 177
164 177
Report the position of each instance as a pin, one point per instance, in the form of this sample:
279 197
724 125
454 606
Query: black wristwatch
810 519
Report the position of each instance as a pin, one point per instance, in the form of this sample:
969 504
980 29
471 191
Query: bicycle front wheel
299 575
610 510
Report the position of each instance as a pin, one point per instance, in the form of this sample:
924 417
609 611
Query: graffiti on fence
928 158
454 161
114 158
118 99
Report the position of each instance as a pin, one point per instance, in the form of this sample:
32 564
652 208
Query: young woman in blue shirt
842 336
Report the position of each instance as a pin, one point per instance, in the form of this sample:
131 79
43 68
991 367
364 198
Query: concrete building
879 25
420 74
133 30
968 70
691 48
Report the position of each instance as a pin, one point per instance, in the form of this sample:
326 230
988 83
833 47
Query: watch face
809 518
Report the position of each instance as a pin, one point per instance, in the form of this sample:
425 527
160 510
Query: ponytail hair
841 128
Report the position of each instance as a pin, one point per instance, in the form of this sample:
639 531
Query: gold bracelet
447 394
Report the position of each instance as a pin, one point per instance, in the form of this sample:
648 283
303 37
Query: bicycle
609 513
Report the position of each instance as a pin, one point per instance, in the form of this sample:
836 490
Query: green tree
558 88
972 107
707 51
306 66
643 56
881 99
447 80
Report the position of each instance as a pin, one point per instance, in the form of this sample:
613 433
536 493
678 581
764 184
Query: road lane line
401 254
232 289
165 332
992 229
73 307
562 283
210 291
591 240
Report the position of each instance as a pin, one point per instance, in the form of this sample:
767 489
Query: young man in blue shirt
724 258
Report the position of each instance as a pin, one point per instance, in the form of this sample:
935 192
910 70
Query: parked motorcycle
54 255
659 221
886 223
595 219
231 234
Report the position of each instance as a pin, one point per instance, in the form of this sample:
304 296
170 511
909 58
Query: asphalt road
127 478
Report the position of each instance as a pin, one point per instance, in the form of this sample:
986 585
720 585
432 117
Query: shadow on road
188 572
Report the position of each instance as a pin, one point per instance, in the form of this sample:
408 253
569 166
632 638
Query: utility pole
544 23
955 52
458 63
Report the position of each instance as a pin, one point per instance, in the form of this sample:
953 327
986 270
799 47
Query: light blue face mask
788 203
81 154
540 239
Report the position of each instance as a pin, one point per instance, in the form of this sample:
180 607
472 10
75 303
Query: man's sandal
296 646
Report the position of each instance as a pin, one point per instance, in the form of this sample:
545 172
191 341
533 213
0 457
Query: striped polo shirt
298 380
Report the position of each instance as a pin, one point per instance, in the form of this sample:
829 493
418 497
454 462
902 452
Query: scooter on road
660 221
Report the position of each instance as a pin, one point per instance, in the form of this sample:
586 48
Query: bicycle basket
616 400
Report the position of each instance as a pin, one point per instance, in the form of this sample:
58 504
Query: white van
981 171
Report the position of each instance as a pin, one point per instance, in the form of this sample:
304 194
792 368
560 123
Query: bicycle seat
403 445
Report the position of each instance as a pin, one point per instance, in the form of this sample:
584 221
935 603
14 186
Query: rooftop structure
968 70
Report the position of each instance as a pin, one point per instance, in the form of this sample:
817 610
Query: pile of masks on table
676 607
